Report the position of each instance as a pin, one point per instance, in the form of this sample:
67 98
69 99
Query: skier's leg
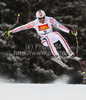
46 41
65 44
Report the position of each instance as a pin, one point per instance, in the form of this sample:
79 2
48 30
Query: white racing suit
48 37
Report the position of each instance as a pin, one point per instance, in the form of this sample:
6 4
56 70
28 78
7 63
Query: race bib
43 27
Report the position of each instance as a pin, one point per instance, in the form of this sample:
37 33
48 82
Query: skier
43 25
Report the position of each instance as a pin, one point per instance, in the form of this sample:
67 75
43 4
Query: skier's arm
58 25
23 27
62 27
20 28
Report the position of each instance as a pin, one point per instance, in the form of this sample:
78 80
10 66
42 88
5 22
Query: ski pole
77 55
13 25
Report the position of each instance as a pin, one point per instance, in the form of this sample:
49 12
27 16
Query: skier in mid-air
43 25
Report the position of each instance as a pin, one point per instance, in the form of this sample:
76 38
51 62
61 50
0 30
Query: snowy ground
59 90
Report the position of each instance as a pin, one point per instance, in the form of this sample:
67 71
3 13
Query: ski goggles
42 18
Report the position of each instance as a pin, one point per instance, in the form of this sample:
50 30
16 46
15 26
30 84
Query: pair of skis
76 58
63 64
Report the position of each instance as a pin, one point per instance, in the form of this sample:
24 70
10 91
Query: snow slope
56 91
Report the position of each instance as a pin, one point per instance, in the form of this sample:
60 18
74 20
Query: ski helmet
40 14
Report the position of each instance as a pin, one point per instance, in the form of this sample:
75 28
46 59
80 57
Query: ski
74 58
59 62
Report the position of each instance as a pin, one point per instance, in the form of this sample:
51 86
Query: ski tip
83 72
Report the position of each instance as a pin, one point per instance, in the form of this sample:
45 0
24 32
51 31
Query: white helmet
40 14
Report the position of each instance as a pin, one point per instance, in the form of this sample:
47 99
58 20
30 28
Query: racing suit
48 37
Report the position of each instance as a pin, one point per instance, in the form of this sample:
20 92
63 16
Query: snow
42 92
59 90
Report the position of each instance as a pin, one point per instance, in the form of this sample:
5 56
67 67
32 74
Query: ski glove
73 32
7 33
